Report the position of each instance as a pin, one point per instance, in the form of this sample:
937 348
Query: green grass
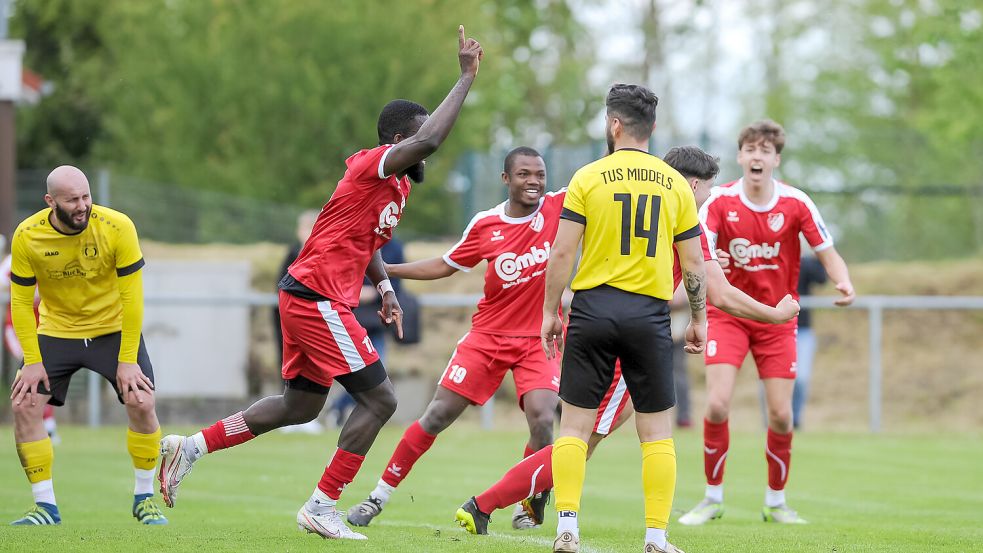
860 493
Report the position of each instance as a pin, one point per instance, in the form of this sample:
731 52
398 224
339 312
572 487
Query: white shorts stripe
611 409
341 336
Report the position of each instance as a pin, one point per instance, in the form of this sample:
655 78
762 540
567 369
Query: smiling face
526 181
758 158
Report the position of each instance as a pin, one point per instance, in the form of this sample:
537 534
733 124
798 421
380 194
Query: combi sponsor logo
742 251
509 265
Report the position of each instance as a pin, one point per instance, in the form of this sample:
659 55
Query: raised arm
838 273
434 131
425 269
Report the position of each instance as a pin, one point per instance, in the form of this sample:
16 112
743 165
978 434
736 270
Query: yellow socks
143 448
658 481
569 465
36 458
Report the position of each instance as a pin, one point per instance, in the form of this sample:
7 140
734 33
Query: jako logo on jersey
775 221
509 265
742 251
537 222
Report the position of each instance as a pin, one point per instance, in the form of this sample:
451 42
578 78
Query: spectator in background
811 274
305 223
13 345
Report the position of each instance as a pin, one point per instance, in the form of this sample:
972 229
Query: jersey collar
518 220
758 207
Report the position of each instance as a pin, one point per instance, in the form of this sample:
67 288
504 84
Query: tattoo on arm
696 290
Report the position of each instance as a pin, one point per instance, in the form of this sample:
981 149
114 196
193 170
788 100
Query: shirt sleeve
687 223
22 282
575 201
709 215
812 226
366 166
131 296
464 255
21 269
129 258
708 253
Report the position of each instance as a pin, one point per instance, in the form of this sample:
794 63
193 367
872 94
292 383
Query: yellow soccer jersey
634 206
77 274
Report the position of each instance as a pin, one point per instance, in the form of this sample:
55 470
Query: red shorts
773 346
480 361
322 340
614 402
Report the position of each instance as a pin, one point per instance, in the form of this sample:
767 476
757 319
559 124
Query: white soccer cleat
328 526
175 464
704 512
566 542
521 519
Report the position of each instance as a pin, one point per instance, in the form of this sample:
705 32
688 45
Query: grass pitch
859 492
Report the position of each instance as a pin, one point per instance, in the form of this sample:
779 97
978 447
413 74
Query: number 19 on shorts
456 373
638 228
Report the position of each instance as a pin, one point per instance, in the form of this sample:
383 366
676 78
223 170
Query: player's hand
723 258
132 383
787 309
846 289
696 337
391 312
552 334
469 53
26 383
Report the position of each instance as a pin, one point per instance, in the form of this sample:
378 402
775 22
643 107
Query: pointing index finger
460 36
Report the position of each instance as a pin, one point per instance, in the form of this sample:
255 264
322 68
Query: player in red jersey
514 238
758 220
322 341
529 480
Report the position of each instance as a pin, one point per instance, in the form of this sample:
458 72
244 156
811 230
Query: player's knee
437 418
144 407
26 412
383 403
780 418
541 424
718 409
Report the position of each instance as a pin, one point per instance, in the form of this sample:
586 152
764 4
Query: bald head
66 178
69 198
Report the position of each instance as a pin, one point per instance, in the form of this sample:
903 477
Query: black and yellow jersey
77 274
634 206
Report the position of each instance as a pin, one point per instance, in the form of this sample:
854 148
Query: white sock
44 491
656 536
567 522
715 493
320 503
199 447
144 481
774 498
382 492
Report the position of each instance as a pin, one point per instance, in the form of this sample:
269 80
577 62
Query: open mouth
533 192
757 170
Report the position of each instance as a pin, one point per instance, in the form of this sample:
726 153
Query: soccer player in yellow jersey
85 261
629 208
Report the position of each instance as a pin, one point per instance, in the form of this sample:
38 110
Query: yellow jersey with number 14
634 206
77 274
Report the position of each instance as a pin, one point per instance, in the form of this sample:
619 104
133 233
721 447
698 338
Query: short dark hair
692 161
634 106
397 118
766 130
520 151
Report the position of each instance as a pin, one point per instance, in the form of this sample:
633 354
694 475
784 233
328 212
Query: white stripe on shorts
341 337
611 409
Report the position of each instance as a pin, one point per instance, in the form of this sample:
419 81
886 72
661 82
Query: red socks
412 446
339 473
228 432
779 456
716 441
532 475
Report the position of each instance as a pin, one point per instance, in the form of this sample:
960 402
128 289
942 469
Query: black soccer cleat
471 518
535 506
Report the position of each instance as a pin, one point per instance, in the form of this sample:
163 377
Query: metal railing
874 305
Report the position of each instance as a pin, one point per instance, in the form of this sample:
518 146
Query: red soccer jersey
517 250
763 240
677 269
357 220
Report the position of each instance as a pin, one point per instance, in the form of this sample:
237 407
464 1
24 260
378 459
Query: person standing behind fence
811 274
86 263
629 208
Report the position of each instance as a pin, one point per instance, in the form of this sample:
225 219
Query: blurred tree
267 98
881 100
65 46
